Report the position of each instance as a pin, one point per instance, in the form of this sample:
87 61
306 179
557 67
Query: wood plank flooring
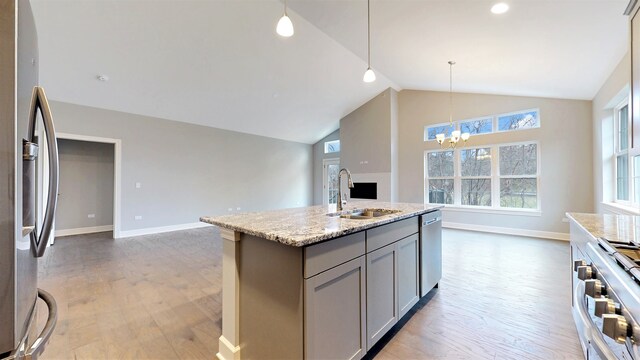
159 297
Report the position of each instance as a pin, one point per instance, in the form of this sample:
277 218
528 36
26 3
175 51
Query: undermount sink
364 214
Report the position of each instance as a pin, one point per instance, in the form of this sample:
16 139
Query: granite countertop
623 228
309 225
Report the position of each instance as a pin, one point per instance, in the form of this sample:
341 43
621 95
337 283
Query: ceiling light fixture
455 134
500 8
369 75
285 26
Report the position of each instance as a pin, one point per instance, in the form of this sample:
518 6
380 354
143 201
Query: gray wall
86 184
366 136
318 157
188 171
371 143
565 138
610 94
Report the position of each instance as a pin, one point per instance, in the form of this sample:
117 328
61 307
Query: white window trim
492 210
427 177
489 117
325 189
620 209
326 147
459 176
496 123
629 152
495 181
457 125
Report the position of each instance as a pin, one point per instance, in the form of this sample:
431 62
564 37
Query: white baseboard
507 231
84 230
161 229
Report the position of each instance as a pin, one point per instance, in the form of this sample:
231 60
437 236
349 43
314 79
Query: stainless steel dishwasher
430 251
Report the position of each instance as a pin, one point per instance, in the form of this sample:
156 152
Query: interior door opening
89 189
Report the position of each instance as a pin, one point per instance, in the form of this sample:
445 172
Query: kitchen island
307 283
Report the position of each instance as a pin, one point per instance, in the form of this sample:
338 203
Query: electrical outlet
230 209
138 185
138 217
91 216
238 208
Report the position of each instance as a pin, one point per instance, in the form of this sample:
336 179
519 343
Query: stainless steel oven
606 299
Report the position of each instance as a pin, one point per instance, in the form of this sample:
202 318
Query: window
475 171
621 152
503 176
438 129
519 120
332 146
477 126
440 177
518 176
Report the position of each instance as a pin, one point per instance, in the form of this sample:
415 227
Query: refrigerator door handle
39 101
38 345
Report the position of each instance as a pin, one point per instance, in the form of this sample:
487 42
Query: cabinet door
408 279
382 294
335 312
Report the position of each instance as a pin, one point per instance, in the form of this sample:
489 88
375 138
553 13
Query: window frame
497 122
629 152
489 117
427 178
457 125
495 180
329 143
460 177
537 175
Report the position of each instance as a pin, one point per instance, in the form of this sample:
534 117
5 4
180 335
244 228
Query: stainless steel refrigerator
26 129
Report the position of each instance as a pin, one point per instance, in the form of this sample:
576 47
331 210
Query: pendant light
285 26
369 75
456 136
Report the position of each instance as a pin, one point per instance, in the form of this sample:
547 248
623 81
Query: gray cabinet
408 273
335 311
382 292
357 287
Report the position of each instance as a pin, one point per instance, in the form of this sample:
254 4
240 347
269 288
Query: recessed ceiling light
499 8
104 78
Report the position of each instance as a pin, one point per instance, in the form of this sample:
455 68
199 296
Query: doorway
330 170
88 194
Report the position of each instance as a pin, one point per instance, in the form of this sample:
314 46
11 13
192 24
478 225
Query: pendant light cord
285 7
369 33
450 93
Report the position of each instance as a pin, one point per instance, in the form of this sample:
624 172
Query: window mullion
495 176
457 182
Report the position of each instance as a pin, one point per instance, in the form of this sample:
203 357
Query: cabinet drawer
324 256
387 234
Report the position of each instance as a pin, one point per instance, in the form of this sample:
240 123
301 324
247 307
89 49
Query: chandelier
456 136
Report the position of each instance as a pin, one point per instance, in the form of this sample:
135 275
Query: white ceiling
220 63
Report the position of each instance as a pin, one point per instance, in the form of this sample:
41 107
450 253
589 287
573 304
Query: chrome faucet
340 201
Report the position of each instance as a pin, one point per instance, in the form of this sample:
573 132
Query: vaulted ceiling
219 63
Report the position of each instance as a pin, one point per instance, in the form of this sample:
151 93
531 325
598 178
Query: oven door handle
594 336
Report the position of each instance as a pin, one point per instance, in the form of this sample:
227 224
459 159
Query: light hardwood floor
159 297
